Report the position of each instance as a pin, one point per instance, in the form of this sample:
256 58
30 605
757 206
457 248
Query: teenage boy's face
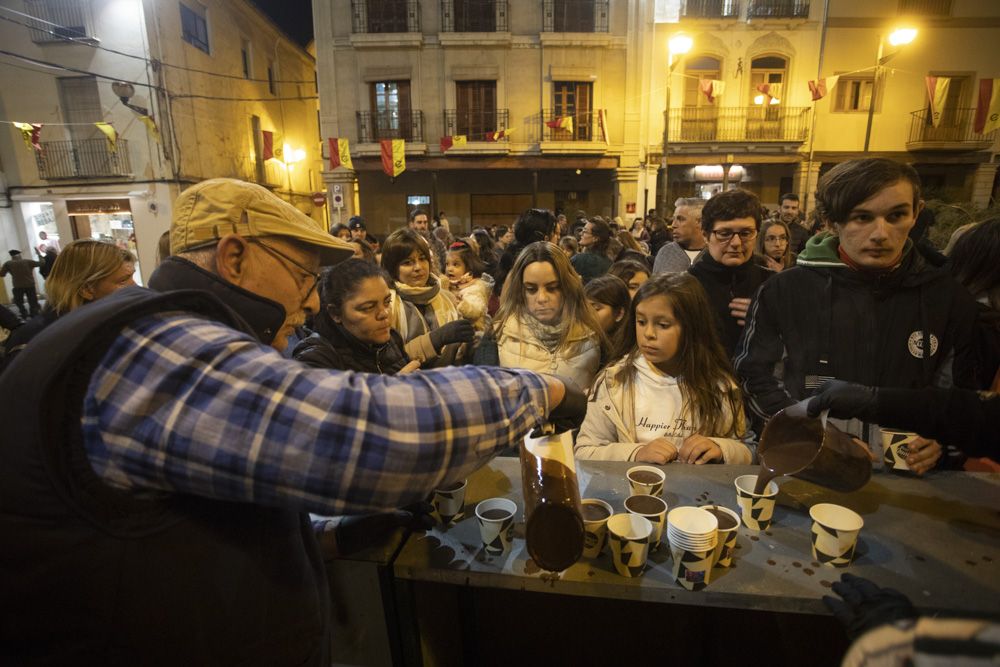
876 229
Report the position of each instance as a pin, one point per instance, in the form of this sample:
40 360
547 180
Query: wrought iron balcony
575 15
474 123
377 125
955 131
385 16
474 16
586 127
777 9
89 158
739 124
710 9
925 7
59 20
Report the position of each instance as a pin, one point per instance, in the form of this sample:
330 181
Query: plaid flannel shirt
181 404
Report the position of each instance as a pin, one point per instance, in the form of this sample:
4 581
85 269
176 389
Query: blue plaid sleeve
182 404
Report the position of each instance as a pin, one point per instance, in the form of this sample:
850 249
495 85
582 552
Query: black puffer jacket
723 284
331 346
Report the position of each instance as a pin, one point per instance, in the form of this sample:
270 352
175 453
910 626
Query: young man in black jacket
861 305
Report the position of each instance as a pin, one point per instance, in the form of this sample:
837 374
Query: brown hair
855 181
786 259
730 205
399 246
473 262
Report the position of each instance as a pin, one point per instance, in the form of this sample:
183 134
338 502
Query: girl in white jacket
673 397
464 270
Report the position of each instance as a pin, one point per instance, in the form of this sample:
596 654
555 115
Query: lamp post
678 45
898 37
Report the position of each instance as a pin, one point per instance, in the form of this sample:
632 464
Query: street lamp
678 45
897 38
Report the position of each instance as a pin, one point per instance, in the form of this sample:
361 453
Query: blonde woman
86 270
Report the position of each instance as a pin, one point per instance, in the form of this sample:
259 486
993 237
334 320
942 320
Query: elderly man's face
686 228
285 272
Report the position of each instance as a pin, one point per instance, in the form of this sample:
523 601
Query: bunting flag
819 89
267 141
151 128
602 124
561 123
453 141
340 153
937 95
502 133
711 88
393 156
771 91
988 106
30 132
110 133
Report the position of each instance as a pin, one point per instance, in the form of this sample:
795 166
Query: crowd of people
275 369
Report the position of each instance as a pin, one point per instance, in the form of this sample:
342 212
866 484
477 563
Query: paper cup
834 534
654 509
692 569
628 535
692 528
725 548
449 503
646 485
496 524
895 449
595 531
755 509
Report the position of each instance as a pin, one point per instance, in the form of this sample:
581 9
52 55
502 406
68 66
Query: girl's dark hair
850 183
487 248
399 246
535 224
974 260
627 268
706 378
339 283
473 264
613 292
499 232
602 232
338 227
366 250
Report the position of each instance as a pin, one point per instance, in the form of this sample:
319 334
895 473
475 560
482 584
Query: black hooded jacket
332 346
723 284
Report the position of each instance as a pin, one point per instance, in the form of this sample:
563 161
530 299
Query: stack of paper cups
693 534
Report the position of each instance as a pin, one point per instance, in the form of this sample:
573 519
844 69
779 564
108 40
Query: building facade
229 93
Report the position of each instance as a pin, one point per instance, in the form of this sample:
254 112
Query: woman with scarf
424 314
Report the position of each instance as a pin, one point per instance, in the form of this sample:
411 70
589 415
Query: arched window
696 69
772 70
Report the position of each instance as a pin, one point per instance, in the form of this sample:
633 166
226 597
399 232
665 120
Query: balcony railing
60 20
377 125
89 158
385 16
739 124
778 9
925 7
474 16
710 9
575 15
955 131
585 127
474 123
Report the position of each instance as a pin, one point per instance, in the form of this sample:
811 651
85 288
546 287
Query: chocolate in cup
654 509
729 523
595 526
449 502
496 524
645 480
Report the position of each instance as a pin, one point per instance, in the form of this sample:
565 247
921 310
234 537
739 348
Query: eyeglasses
726 235
772 239
312 276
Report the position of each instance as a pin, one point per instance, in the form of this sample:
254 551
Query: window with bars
59 20
925 7
194 25
476 108
853 93
390 107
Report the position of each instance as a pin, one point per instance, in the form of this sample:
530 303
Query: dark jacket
23 334
723 284
825 320
332 346
658 239
90 574
957 417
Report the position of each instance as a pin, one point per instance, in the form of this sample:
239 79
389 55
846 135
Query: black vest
92 575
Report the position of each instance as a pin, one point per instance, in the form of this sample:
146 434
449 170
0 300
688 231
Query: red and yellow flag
502 133
988 106
111 134
340 153
937 95
561 123
711 88
453 141
30 132
819 88
393 156
267 142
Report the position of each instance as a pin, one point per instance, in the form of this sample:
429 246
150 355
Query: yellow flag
110 133
937 94
459 140
340 153
151 126
393 156
30 132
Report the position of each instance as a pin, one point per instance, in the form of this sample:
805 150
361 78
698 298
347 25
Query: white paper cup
496 524
449 503
656 512
834 533
895 449
648 487
725 547
692 569
756 510
628 536
595 533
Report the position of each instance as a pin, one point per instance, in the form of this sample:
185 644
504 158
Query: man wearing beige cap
157 513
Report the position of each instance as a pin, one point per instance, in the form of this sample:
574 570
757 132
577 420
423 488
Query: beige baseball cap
211 209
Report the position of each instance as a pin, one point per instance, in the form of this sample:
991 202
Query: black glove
459 331
357 532
844 400
866 605
569 414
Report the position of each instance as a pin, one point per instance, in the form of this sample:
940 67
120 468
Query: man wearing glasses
162 455
730 221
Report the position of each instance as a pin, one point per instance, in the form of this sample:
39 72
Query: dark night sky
292 16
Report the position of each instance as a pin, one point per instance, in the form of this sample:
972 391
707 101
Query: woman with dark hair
535 224
595 240
341 231
659 235
774 245
610 299
631 272
975 263
352 329
672 397
487 250
423 313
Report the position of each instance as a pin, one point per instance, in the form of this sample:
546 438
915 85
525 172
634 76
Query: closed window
476 108
390 105
271 85
81 106
574 99
194 26
853 94
59 20
245 58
